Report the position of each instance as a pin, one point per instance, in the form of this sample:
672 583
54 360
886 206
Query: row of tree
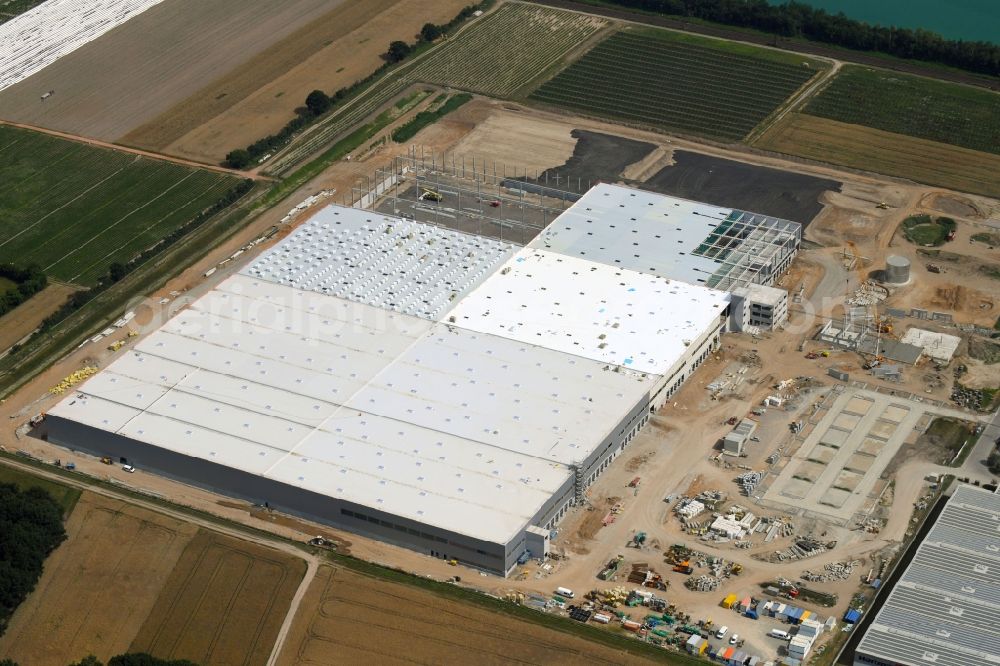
796 19
318 103
31 526
27 282
117 271
133 659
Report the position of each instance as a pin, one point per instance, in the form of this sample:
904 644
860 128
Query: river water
955 19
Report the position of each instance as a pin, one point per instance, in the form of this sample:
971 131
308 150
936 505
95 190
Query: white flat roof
451 427
666 236
396 264
470 423
593 310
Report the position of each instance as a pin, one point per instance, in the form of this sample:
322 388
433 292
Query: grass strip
408 130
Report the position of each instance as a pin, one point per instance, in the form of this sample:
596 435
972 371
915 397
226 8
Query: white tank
897 269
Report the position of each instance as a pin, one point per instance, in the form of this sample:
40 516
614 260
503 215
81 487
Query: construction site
740 498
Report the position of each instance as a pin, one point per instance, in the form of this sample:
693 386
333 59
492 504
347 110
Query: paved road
312 562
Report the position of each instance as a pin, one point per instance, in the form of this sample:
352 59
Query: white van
723 630
778 633
564 592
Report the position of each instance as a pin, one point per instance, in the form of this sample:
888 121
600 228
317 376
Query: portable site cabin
744 604
738 659
780 611
696 644
852 616
726 654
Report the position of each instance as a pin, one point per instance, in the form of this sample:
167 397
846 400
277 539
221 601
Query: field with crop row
340 122
505 50
923 108
869 149
657 79
222 604
74 209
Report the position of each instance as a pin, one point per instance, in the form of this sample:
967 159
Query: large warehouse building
945 608
447 393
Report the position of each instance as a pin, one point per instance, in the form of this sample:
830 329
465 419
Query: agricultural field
98 586
175 49
223 603
323 134
258 97
11 8
924 108
73 209
868 149
678 83
351 618
506 50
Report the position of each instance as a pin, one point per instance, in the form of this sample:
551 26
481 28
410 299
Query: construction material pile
73 379
749 481
702 583
833 571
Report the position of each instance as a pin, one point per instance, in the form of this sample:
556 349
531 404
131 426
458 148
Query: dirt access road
136 151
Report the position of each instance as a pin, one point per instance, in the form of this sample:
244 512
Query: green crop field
923 108
73 209
679 83
506 50
11 8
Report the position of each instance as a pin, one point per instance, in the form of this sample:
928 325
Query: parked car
128 468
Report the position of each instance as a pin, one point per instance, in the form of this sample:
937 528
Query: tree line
128 659
318 103
796 19
27 282
31 527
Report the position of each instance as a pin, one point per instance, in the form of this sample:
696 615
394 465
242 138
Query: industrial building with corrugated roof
444 392
945 608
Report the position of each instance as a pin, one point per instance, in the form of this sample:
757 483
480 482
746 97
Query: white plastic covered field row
36 39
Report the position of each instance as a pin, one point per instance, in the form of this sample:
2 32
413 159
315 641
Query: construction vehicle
684 568
638 540
881 205
634 483
933 268
322 542
106 460
611 569
427 194
873 363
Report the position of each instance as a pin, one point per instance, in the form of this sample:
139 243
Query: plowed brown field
349 618
98 586
332 53
892 154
